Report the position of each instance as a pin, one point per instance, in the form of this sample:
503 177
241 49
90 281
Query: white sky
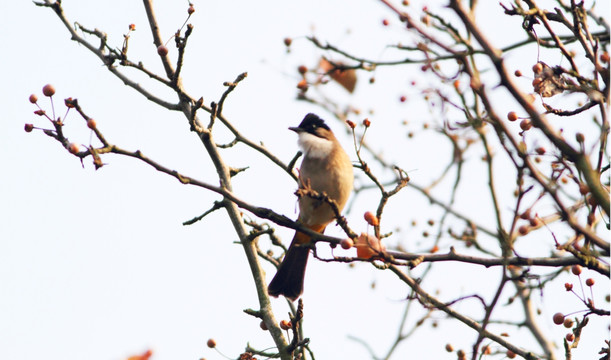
96 264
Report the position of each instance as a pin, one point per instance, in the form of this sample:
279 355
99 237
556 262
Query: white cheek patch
314 146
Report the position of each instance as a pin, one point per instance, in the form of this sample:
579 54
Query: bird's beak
296 129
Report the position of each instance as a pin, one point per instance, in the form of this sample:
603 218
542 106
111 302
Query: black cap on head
310 123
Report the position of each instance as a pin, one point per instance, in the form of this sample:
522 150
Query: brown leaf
547 83
346 78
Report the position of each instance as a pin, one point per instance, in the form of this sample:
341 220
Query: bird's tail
288 280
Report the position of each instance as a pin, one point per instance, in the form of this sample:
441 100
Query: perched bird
325 168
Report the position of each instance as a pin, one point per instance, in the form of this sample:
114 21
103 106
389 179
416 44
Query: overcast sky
97 264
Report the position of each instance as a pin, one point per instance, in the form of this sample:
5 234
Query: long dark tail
288 280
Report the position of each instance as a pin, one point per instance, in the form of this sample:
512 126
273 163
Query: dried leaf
346 78
548 83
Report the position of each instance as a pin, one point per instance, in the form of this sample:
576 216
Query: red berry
568 323
302 69
523 230
537 68
512 116
371 219
590 282
302 85
576 269
211 343
263 326
449 348
385 22
525 124
604 57
29 127
73 148
285 325
402 98
540 150
346 243
518 73
558 318
91 124
191 9
570 337
162 50
511 354
48 90
33 98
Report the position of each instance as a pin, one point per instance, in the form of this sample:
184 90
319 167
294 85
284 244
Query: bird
325 168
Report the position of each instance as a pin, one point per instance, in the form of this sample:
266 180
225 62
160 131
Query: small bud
302 69
33 98
518 73
69 102
568 286
523 230
449 348
570 337
28 127
604 57
576 269
132 27
534 222
584 188
48 90
351 124
579 137
263 326
288 41
568 323
590 282
525 215
191 9
511 354
366 122
211 343
346 243
403 98
512 116
91 124
385 22
540 150
39 112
